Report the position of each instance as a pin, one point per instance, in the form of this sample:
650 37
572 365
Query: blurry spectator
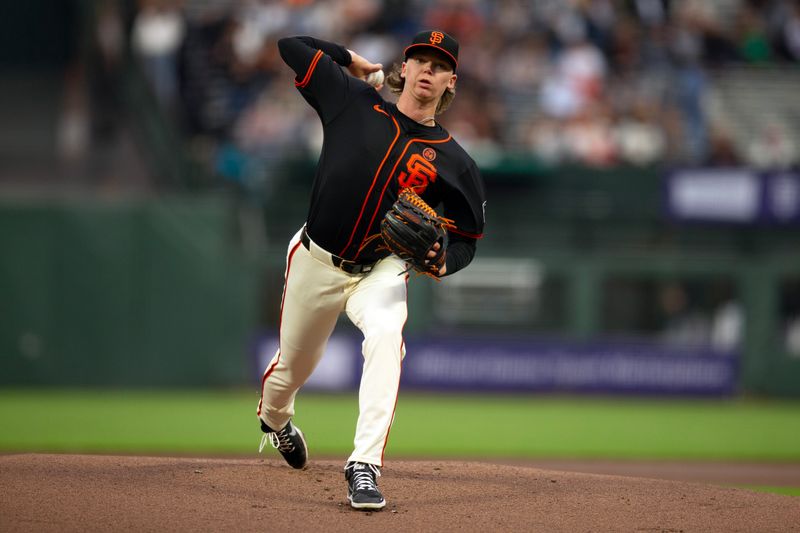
356 16
789 312
205 76
727 316
683 324
256 21
690 79
753 40
266 128
789 37
483 69
651 12
456 17
712 23
727 326
522 66
722 151
513 18
772 147
627 47
579 76
545 139
690 90
601 17
639 138
107 55
158 32
589 138
73 127
792 336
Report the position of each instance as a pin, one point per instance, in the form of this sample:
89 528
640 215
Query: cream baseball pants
315 293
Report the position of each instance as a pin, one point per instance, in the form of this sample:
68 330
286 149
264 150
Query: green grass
786 491
608 428
127 421
124 421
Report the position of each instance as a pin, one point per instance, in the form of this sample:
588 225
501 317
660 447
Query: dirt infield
113 493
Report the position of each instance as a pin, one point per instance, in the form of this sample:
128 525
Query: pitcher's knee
385 336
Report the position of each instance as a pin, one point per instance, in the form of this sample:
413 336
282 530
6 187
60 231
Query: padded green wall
123 293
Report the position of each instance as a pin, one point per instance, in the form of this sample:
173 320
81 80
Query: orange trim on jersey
389 179
311 67
280 321
397 395
466 233
377 108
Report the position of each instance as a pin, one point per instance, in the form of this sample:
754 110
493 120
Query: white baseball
375 78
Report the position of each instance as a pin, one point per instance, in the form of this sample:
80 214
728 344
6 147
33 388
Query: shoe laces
365 479
280 440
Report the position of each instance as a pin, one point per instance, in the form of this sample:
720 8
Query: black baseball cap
438 40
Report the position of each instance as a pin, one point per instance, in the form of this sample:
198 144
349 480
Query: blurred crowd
592 82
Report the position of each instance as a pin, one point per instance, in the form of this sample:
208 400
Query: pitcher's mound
112 493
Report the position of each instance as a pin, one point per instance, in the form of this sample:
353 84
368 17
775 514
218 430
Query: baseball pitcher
370 221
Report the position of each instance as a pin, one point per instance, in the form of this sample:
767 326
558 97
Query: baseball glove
411 228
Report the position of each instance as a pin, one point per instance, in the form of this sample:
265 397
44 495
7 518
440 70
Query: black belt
351 267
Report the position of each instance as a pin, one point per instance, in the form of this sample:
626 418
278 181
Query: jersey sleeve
318 73
465 204
460 251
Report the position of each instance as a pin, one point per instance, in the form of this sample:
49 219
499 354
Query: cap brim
437 48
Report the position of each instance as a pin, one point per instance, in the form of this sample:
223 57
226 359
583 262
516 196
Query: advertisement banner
484 364
733 195
530 365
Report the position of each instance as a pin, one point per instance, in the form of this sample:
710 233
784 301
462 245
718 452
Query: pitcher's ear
452 83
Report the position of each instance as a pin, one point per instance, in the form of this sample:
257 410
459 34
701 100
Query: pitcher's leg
310 307
378 308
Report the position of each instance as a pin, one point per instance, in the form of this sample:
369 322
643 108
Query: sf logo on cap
436 37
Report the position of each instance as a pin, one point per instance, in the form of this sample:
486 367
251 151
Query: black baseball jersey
370 151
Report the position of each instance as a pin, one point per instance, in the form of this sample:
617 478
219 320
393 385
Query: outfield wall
123 293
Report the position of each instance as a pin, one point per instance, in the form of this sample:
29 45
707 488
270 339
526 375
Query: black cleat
289 441
362 489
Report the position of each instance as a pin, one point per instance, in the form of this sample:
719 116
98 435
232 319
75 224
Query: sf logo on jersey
419 172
